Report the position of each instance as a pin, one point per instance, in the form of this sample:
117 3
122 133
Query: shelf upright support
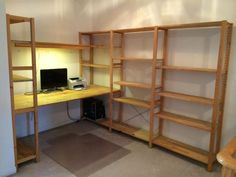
224 74
18 148
111 80
122 88
8 18
34 77
153 84
80 56
163 77
216 97
91 58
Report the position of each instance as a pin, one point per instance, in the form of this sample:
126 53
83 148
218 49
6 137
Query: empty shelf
18 78
193 25
24 152
137 59
49 45
127 129
135 30
95 66
189 121
184 97
182 68
95 33
182 148
133 101
21 68
135 84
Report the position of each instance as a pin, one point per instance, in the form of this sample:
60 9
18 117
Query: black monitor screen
53 78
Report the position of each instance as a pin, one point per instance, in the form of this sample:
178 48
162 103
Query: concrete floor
142 161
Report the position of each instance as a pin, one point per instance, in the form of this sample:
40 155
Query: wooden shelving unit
214 127
91 47
22 151
118 62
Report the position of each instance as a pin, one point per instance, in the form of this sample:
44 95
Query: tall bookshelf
121 98
213 127
23 151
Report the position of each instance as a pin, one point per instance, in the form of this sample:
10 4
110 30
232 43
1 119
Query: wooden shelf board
133 101
184 97
95 33
135 84
127 129
18 78
182 68
182 148
22 68
137 59
189 121
17 19
25 110
24 152
135 30
95 65
50 45
193 25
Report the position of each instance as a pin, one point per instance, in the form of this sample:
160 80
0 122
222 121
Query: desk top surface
26 101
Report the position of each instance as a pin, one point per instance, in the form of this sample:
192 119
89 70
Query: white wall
137 13
55 21
7 162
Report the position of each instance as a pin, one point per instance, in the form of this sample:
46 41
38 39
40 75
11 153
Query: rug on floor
83 155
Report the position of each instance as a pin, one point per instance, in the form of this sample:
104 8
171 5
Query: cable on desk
68 113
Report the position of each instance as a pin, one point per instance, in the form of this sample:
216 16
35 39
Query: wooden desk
23 102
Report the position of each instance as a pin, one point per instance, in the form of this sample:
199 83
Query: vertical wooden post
91 60
35 97
122 89
224 74
216 97
153 84
11 87
163 75
80 56
111 81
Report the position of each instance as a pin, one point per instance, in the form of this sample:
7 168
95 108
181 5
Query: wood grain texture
100 66
24 152
135 84
127 129
182 148
19 78
50 45
184 120
182 68
227 156
185 97
26 101
133 101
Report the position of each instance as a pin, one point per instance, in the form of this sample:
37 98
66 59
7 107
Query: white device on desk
77 83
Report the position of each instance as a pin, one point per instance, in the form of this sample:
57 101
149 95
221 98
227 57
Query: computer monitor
53 78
